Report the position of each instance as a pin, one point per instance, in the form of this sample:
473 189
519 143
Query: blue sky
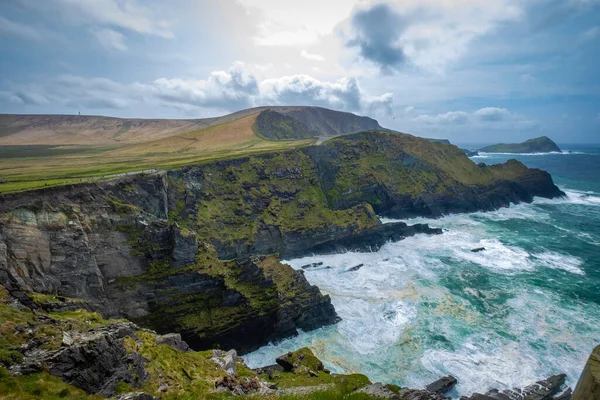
466 70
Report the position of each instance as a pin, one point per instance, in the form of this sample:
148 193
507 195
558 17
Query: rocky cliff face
588 387
186 250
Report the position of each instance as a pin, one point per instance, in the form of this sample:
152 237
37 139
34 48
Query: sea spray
522 309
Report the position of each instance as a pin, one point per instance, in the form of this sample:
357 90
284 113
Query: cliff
287 123
588 387
191 250
80 355
542 144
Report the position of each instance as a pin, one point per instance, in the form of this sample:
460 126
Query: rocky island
541 144
134 284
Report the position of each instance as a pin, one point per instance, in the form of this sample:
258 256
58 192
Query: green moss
304 357
39 386
123 209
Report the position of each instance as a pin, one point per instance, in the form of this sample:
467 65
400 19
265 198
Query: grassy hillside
97 130
542 144
48 150
29 167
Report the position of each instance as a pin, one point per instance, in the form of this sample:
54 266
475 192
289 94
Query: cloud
343 94
377 31
492 114
312 57
109 39
19 29
484 118
231 89
128 15
449 118
429 34
228 90
591 33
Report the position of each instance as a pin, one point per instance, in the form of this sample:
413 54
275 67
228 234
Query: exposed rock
541 390
356 268
237 385
588 387
478 249
302 391
272 371
566 395
303 357
313 265
377 391
442 385
95 361
413 394
174 340
226 360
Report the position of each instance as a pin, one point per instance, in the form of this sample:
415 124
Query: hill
48 150
298 123
542 144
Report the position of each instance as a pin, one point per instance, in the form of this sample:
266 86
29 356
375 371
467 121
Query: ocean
525 308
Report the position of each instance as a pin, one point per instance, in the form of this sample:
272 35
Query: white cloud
109 39
284 23
229 90
19 29
312 57
484 118
449 118
124 14
492 114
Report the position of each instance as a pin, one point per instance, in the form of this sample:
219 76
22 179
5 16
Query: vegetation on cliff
541 144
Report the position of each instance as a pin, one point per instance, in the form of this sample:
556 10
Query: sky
478 71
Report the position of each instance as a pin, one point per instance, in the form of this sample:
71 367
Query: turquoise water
525 308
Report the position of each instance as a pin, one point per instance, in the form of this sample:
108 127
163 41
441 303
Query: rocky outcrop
541 390
588 387
94 361
442 385
541 144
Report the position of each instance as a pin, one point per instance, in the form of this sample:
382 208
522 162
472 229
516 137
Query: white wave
552 153
396 307
558 261
586 198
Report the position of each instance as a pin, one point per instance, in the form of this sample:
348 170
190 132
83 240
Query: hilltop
541 144
297 122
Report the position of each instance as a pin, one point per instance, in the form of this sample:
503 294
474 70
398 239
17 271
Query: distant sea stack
542 144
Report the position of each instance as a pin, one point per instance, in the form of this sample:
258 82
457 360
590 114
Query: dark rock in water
369 239
174 340
541 390
313 265
478 249
566 395
356 268
94 361
442 385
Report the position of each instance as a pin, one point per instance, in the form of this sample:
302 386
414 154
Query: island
541 144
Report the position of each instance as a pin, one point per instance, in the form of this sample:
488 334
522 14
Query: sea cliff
195 250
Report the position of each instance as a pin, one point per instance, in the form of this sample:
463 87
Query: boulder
174 340
377 391
300 358
442 385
